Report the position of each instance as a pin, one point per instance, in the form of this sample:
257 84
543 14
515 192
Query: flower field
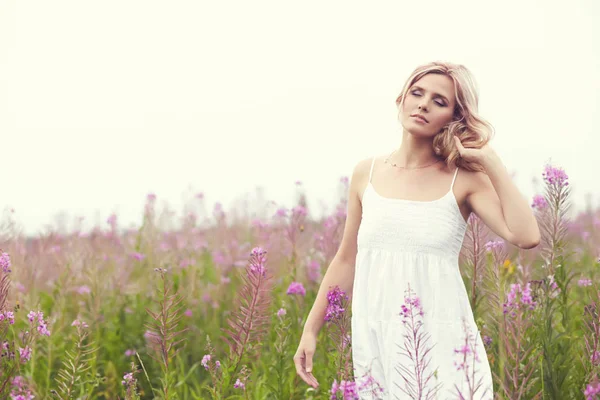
214 308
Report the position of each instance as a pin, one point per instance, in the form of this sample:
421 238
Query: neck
414 153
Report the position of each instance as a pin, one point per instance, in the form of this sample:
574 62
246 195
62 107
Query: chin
415 131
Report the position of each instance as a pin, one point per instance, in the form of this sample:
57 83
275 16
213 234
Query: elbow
530 244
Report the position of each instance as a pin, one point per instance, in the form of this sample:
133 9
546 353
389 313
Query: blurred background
103 103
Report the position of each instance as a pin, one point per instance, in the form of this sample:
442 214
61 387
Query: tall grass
212 306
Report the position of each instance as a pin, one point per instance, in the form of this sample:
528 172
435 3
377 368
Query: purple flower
42 325
335 387
299 211
25 354
77 322
128 379
296 288
463 350
138 256
5 262
205 361
494 244
526 298
591 391
411 304
539 202
84 289
129 352
487 341
10 316
281 212
336 299
112 220
347 388
19 390
18 382
281 312
258 258
584 282
314 271
32 316
369 383
239 384
555 176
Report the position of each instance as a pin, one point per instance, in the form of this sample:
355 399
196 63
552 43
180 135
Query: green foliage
168 320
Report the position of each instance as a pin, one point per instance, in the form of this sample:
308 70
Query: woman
405 226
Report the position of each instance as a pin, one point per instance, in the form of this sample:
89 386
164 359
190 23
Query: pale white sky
104 102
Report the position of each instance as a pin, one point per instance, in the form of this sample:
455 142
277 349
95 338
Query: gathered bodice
436 227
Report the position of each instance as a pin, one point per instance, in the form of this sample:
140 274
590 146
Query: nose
423 105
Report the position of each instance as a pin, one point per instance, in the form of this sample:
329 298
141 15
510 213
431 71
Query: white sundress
417 243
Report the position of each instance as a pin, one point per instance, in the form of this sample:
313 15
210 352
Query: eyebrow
436 94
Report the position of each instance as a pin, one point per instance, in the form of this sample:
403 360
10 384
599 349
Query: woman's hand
303 359
474 155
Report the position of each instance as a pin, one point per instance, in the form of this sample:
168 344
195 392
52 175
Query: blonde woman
406 221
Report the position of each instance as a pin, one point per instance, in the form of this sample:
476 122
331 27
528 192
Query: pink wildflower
296 288
25 354
239 384
539 202
591 391
138 256
84 289
78 322
5 262
258 259
336 298
584 282
205 361
555 176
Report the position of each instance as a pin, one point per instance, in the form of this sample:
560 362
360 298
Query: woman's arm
497 201
341 269
340 273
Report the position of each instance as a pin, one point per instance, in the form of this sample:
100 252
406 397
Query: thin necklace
387 160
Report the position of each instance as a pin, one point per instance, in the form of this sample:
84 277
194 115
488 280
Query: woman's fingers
308 362
313 380
299 362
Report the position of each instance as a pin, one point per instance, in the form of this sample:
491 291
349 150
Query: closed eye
441 104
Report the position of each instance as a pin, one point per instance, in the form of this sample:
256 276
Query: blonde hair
472 130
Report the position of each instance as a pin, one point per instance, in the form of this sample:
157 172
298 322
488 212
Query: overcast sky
104 102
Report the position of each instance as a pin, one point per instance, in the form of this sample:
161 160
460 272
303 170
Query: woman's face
432 96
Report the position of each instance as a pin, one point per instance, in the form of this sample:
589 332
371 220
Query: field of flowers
215 308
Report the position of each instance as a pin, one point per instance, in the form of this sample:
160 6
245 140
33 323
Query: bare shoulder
362 168
474 182
360 176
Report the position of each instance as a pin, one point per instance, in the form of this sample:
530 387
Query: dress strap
371 172
453 179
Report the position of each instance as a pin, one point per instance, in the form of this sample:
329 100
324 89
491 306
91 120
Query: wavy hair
472 130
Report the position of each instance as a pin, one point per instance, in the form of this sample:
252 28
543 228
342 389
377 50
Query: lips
420 117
